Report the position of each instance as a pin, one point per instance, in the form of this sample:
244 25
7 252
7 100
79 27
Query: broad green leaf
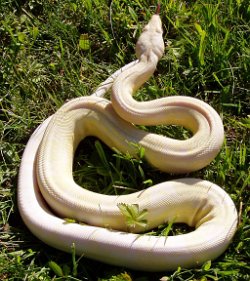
56 268
206 266
21 37
199 28
141 152
69 220
35 32
84 42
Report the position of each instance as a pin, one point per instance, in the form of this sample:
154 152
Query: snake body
47 192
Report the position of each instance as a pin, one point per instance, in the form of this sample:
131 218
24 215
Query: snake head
150 45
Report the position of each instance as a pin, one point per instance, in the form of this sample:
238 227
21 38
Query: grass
52 51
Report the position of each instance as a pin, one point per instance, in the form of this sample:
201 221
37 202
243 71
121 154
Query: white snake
46 167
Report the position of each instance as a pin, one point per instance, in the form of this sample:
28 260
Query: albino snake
47 166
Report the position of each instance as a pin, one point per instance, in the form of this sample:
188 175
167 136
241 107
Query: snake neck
149 50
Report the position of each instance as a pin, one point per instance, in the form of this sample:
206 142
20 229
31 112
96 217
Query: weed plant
52 51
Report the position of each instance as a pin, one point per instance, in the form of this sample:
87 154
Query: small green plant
66 271
133 216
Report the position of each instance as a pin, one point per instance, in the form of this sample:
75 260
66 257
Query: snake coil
47 192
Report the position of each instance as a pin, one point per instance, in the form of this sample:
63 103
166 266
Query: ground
52 51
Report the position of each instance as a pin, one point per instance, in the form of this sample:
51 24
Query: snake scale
47 192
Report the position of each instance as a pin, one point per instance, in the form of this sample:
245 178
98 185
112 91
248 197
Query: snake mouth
158 9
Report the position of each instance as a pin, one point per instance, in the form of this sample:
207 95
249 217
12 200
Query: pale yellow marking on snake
46 174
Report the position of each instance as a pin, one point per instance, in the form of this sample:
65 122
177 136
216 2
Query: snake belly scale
47 192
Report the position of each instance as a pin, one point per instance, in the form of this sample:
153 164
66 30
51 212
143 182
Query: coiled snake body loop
45 175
